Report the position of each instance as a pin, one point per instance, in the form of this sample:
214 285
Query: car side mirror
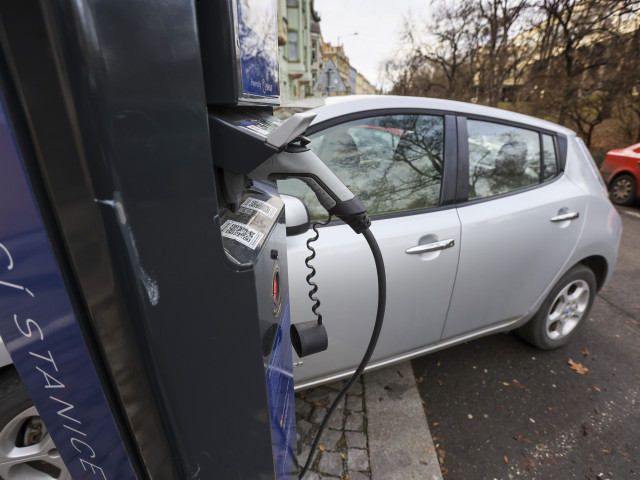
296 215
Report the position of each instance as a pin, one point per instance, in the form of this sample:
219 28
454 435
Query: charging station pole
152 345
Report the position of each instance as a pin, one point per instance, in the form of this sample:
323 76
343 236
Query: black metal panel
217 37
450 169
562 151
115 100
462 187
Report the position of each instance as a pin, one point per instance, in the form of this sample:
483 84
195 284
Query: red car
621 172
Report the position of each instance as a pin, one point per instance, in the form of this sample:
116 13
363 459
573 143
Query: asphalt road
501 409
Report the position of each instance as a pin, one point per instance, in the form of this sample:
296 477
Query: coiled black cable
312 284
382 299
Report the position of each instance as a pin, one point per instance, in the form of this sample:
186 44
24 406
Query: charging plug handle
297 161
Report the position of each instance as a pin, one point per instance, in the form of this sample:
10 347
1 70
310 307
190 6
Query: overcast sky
378 23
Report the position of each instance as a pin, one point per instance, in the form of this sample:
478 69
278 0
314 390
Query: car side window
392 163
502 158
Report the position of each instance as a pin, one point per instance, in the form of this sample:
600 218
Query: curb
400 443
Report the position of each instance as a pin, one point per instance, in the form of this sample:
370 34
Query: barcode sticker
260 206
242 233
259 129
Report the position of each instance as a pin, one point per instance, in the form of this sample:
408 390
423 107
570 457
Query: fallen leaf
521 438
342 456
321 448
527 463
440 454
426 410
584 352
554 410
435 424
440 382
444 470
423 462
577 367
506 460
506 384
517 384
304 395
422 400
591 460
622 453
346 477
438 363
606 452
435 439
400 374
596 388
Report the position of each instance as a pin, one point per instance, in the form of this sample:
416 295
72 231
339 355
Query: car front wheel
563 311
622 189
26 448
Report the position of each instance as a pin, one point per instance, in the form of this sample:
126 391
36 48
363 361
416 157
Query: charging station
143 269
156 341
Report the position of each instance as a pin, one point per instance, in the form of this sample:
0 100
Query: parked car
621 172
489 221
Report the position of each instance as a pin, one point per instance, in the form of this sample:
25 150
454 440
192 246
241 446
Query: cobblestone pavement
343 451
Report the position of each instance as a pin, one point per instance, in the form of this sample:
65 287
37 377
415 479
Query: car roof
331 107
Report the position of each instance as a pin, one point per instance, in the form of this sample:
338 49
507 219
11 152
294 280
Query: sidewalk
378 432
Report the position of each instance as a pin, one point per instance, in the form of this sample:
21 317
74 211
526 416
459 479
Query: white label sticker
242 233
260 206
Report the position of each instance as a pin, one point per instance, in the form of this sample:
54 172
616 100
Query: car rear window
505 158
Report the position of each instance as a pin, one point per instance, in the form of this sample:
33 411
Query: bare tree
500 21
578 45
571 61
438 54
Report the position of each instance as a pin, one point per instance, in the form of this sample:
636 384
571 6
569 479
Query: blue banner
281 398
39 327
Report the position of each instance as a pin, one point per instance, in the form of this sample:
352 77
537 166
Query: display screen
258 37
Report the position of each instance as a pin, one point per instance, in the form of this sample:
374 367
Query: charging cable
377 327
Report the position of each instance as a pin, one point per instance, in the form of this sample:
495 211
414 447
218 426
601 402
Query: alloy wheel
567 309
27 451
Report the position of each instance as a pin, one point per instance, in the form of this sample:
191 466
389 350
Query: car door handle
565 216
430 247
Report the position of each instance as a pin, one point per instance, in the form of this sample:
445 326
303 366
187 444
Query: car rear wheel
622 190
26 448
563 311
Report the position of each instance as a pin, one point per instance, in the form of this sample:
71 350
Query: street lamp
338 52
347 35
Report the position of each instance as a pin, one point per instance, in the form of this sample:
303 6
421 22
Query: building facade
308 66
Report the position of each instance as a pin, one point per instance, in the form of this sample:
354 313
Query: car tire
26 448
622 190
563 310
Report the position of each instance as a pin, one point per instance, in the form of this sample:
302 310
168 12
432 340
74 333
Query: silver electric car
488 221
